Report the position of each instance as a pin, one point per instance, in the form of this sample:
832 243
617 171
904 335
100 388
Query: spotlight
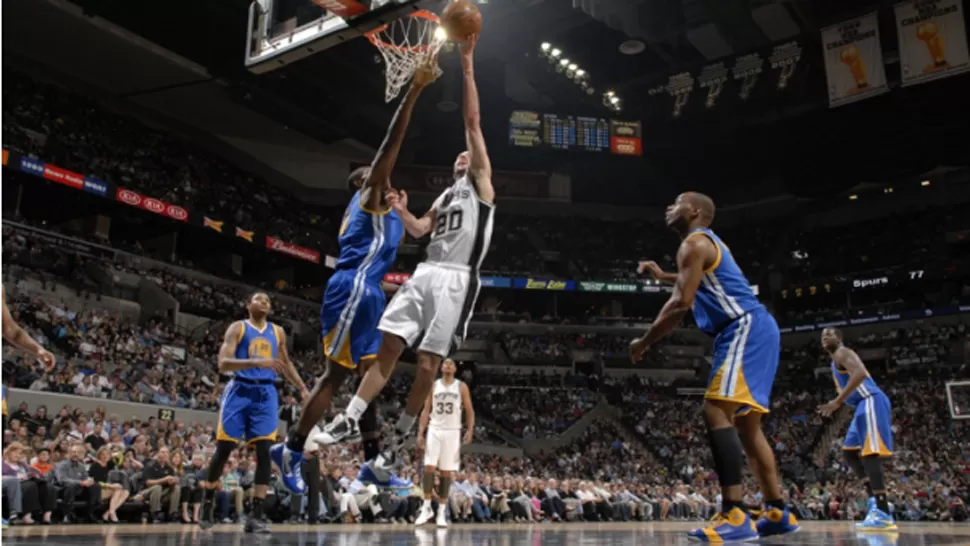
580 73
546 46
924 183
555 52
853 197
590 90
614 99
440 34
573 66
564 62
610 93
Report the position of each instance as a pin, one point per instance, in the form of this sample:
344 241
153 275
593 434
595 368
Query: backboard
281 32
958 398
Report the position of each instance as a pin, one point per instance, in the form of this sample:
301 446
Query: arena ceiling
777 141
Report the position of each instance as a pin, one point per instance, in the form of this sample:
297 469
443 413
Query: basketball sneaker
341 429
290 464
425 514
777 522
381 478
877 520
256 526
734 526
442 519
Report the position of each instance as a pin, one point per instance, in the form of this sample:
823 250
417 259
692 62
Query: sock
728 505
404 423
882 502
869 489
295 441
257 508
356 408
777 503
372 448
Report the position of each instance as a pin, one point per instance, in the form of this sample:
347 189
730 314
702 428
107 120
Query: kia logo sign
130 197
177 212
154 205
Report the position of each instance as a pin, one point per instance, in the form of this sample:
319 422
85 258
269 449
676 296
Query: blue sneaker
877 520
290 464
383 479
870 505
777 522
735 526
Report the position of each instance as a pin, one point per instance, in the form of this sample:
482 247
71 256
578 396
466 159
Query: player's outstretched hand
467 439
397 199
47 359
271 364
468 50
827 409
426 73
650 266
637 347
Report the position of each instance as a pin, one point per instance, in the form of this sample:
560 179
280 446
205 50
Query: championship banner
932 40
853 60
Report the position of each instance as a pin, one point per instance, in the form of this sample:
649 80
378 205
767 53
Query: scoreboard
534 130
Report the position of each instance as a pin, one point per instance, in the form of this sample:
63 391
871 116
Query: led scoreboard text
533 130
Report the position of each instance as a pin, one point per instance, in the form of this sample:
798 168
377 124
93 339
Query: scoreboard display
533 130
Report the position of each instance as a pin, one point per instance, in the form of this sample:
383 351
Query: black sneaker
259 527
341 429
208 517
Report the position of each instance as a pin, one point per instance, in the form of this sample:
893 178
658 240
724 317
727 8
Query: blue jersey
255 343
368 241
867 389
725 294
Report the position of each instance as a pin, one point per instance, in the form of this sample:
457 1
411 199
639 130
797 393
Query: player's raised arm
466 400
379 178
227 353
691 255
15 335
288 369
848 360
416 227
479 168
656 272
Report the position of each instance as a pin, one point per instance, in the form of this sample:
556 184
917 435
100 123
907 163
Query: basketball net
405 44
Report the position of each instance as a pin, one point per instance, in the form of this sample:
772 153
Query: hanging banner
853 60
932 40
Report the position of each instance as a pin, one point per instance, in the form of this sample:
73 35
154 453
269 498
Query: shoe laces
718 519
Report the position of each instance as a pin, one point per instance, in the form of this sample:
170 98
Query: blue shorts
746 354
248 412
871 429
349 318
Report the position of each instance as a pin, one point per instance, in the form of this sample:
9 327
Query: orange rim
374 36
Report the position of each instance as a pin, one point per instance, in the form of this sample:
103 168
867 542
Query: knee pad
264 465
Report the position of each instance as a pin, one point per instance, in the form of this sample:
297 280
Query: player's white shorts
438 300
443 449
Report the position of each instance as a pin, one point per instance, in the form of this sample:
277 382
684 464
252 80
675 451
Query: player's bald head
703 204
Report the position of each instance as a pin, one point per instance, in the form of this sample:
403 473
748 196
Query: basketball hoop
405 44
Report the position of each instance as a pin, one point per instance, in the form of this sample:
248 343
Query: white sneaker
442 520
425 514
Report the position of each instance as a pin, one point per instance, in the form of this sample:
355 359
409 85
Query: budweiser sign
151 204
296 251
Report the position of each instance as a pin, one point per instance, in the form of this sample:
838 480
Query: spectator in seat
480 501
191 493
100 471
365 496
72 477
552 503
574 507
27 491
499 505
161 485
231 491
42 463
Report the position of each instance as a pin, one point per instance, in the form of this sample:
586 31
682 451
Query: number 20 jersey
446 405
463 226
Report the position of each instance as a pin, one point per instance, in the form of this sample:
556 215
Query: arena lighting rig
563 65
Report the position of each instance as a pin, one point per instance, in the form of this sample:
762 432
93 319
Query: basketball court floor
586 534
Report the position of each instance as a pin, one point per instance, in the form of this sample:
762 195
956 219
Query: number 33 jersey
463 226
446 405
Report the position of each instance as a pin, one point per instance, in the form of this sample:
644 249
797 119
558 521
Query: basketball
461 19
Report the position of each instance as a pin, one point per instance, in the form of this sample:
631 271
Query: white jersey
446 405
463 226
